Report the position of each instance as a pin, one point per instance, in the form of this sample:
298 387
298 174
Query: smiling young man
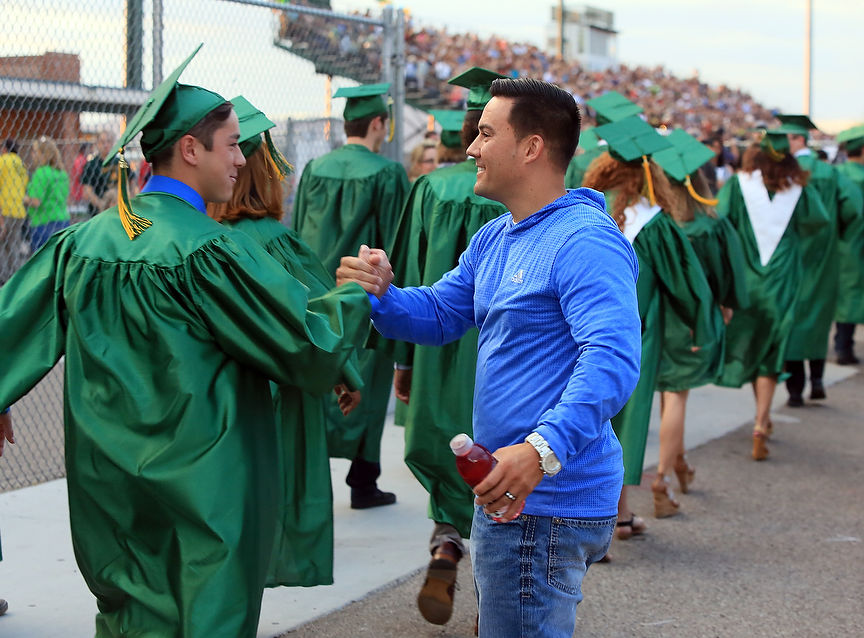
171 327
552 287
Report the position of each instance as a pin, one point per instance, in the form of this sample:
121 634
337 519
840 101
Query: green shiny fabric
579 166
171 449
303 551
441 215
850 281
721 256
757 337
817 301
670 276
348 197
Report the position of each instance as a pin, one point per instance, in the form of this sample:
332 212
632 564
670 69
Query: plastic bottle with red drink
474 462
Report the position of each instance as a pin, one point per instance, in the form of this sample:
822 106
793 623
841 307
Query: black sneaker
365 497
795 401
847 359
817 390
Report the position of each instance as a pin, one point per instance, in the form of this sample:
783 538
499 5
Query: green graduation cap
684 157
852 138
451 126
167 115
478 81
363 101
775 143
612 107
631 138
253 123
795 125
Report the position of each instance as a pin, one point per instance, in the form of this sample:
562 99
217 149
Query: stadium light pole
808 58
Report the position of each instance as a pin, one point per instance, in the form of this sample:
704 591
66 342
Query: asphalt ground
760 549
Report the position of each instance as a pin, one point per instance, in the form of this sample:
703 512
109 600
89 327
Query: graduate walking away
771 206
817 301
670 277
850 287
349 197
303 550
171 326
437 384
552 289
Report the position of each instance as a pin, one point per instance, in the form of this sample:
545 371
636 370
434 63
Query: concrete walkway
374 548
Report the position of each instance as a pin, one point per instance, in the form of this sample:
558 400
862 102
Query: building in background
584 34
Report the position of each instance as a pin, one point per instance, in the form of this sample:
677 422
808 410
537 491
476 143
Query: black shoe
365 497
817 390
795 401
4 606
847 359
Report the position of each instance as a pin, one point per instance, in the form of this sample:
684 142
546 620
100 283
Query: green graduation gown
348 197
303 551
441 215
719 251
669 276
817 300
171 450
850 250
757 337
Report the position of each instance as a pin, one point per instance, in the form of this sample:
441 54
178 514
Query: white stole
636 216
768 217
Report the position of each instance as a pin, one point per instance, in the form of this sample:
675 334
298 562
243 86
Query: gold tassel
133 224
772 152
696 196
648 182
392 121
282 165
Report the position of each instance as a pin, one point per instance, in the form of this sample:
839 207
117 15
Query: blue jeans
40 234
528 573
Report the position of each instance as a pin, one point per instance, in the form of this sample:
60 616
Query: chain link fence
72 71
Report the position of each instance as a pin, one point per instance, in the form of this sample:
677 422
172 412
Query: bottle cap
461 444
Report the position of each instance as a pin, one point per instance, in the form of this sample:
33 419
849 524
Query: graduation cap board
478 81
795 125
451 126
682 159
253 123
364 100
852 138
631 139
612 107
167 115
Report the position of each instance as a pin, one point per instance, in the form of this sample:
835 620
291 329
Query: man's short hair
543 109
203 131
360 126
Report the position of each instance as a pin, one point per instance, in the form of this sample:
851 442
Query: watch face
551 464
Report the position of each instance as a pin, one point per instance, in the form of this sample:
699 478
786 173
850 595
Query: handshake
370 268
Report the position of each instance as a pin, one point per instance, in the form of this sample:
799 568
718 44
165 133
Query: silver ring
510 496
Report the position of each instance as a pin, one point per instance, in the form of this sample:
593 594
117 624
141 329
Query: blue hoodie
554 297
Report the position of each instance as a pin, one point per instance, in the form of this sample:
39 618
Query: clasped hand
370 268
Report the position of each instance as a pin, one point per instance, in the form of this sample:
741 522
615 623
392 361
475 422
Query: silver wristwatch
549 463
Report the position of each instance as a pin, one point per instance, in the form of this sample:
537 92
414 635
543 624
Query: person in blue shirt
551 285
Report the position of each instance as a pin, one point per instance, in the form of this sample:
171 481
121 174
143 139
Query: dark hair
360 127
777 176
856 153
203 131
543 109
10 145
470 131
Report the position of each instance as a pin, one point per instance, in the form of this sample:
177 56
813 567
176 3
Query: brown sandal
634 526
435 599
760 450
685 473
665 504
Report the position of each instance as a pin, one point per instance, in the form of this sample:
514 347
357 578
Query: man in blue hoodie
552 287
